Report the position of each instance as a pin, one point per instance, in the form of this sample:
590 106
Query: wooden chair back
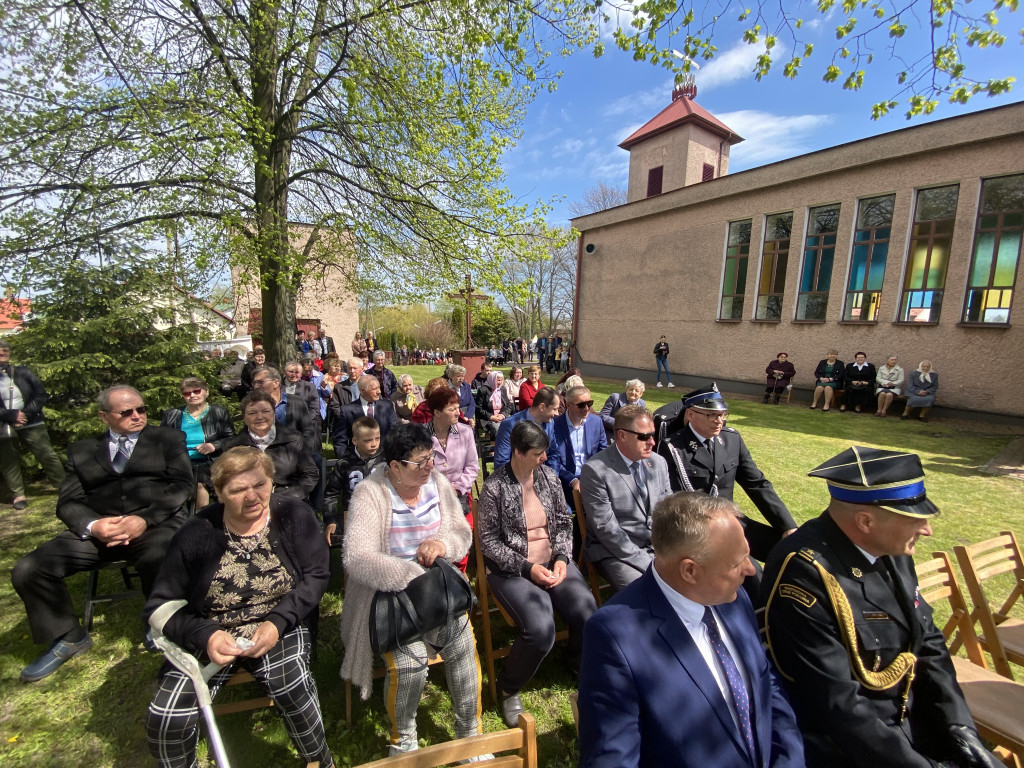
597 584
489 607
521 742
995 702
1001 634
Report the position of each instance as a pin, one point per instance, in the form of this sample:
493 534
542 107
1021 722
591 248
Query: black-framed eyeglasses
585 404
141 410
641 436
418 464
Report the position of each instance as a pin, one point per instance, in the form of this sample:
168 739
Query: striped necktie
122 455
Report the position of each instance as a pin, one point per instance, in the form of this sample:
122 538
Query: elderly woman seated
401 518
526 540
493 404
780 373
633 395
924 383
207 429
294 473
859 379
889 385
407 397
252 568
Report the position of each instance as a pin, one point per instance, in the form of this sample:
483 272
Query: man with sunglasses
579 434
122 499
705 455
620 487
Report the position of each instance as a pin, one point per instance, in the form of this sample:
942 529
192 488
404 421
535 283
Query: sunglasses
141 410
641 436
187 392
585 404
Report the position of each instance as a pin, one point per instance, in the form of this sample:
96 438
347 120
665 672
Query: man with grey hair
346 391
673 672
632 395
22 397
369 404
388 383
620 487
123 499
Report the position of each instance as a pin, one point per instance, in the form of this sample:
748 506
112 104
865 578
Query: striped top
410 526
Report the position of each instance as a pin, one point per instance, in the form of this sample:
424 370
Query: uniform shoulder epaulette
808 554
729 429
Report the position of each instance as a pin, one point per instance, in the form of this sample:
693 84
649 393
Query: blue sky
570 137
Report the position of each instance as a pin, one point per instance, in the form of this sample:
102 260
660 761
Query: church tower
683 144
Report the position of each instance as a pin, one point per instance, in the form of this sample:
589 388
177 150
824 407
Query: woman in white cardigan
401 518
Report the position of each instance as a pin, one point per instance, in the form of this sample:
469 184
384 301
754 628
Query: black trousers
38 577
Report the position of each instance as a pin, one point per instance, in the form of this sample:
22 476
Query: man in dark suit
346 391
866 668
122 499
543 411
706 456
579 434
369 404
620 487
295 386
324 344
673 672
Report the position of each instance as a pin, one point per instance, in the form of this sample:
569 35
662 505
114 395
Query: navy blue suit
648 699
502 443
594 441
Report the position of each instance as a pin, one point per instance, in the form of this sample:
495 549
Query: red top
527 392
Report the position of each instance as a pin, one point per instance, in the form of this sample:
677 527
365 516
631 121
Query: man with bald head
370 403
122 499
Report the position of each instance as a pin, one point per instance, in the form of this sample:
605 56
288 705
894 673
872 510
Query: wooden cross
469 297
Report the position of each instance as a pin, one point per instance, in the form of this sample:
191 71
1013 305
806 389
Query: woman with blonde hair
889 381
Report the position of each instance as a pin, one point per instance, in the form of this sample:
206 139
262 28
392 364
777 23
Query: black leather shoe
511 709
54 659
20 504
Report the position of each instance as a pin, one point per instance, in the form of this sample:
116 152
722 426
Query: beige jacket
370 567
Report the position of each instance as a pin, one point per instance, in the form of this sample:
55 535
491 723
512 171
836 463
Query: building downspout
574 354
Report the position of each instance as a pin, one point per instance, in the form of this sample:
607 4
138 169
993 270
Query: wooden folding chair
241 677
488 606
520 741
1001 635
995 702
597 584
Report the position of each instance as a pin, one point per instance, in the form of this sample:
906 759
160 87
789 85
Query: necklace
246 545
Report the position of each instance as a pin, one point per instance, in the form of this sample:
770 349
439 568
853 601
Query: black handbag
429 601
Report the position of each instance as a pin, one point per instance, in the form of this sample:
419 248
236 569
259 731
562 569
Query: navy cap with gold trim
871 476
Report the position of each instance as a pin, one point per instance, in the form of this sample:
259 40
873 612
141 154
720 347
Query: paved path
1010 461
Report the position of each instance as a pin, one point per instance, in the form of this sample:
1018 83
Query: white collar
688 611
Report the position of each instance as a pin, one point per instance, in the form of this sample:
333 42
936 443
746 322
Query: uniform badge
693 446
800 595
719 439
856 572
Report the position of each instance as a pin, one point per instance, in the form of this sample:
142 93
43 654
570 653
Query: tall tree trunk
273 157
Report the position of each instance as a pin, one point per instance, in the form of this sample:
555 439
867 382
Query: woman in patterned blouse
251 569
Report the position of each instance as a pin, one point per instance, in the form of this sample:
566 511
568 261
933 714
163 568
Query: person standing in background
661 356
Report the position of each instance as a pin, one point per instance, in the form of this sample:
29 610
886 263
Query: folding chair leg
90 593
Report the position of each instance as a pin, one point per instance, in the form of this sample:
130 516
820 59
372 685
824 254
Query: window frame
905 305
770 249
819 249
871 243
739 286
999 229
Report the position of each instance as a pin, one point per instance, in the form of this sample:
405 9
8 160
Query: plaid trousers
173 717
406 674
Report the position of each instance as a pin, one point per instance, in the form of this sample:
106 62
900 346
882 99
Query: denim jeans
663 365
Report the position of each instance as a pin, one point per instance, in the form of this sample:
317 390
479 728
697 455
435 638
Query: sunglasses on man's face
585 404
641 436
141 410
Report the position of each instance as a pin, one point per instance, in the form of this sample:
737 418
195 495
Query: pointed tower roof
682 110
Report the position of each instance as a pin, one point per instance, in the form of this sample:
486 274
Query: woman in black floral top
251 569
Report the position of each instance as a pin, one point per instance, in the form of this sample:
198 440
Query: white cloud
567 147
652 100
769 137
629 130
620 17
733 64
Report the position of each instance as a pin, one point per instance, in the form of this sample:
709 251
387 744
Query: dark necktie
641 486
369 410
122 455
733 678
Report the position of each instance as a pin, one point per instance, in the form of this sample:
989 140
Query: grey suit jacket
618 523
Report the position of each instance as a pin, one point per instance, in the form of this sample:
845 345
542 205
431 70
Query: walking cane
775 383
188 665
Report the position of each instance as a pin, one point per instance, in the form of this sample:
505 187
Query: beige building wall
682 152
326 294
657 265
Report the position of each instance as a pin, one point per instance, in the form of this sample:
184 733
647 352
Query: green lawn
90 713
